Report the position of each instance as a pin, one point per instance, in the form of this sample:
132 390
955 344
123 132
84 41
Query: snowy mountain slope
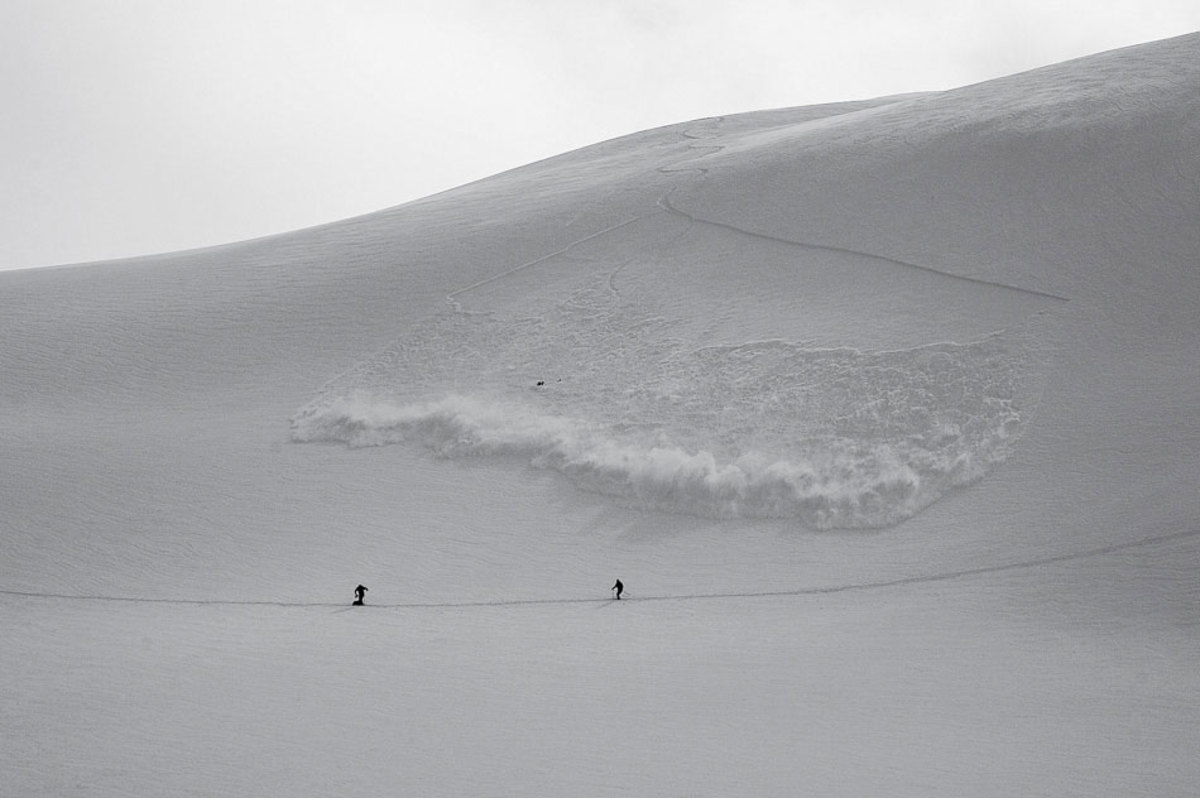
884 412
928 169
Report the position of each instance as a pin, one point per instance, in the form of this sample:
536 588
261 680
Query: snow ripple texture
600 391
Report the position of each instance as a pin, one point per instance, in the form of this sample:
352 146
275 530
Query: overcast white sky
141 126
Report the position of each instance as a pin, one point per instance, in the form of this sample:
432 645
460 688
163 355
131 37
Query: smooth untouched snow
884 412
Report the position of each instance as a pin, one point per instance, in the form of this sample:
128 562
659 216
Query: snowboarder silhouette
359 592
620 588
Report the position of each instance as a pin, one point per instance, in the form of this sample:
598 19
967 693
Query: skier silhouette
620 588
359 592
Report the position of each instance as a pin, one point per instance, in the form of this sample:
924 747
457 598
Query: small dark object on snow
620 588
359 592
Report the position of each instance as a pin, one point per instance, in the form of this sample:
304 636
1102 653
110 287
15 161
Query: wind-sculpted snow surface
600 390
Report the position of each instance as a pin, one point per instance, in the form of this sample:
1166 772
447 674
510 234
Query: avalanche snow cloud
831 437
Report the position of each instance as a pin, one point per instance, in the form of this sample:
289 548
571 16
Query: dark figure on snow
620 588
359 592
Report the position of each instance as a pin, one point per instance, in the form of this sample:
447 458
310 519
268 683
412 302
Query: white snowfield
886 413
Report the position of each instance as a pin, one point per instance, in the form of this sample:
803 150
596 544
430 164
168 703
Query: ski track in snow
798 592
665 203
